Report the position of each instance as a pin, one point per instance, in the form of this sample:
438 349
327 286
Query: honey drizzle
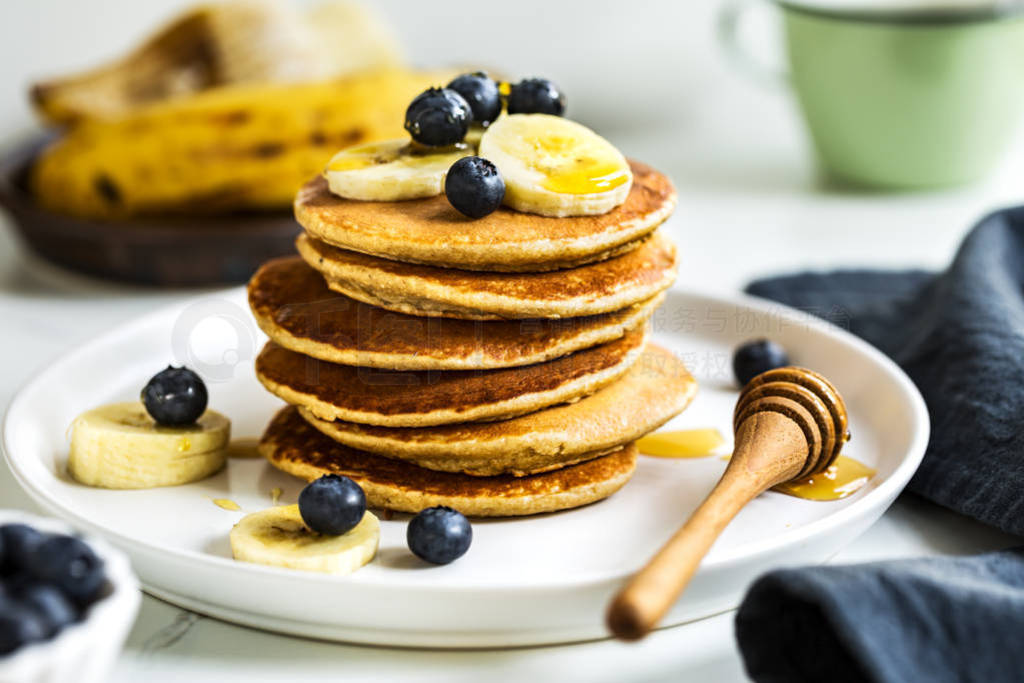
844 477
225 504
686 443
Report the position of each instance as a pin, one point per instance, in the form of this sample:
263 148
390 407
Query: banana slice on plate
555 167
119 446
391 171
277 536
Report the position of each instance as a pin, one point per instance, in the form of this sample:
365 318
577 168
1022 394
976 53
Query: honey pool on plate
687 443
844 477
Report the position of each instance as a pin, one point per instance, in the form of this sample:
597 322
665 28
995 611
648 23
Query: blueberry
175 396
438 117
439 535
755 357
332 505
50 604
19 625
474 186
536 96
481 93
70 565
17 540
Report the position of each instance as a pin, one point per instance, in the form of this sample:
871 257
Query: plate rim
748 552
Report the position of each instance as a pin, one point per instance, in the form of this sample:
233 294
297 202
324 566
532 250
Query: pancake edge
567 392
421 297
382 496
548 254
632 316
473 451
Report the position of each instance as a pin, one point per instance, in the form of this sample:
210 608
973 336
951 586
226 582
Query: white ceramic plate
544 579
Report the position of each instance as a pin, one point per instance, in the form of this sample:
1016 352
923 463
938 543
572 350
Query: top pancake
431 231
295 308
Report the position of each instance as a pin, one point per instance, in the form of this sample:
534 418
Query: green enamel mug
901 97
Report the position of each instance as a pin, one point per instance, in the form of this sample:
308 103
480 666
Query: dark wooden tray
167 251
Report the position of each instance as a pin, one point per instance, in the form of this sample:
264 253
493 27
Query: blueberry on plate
481 93
175 396
17 541
438 117
332 505
69 564
19 625
474 186
439 535
50 604
755 357
536 96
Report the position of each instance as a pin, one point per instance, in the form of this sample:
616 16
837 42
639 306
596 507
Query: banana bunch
119 446
551 166
226 43
247 146
278 537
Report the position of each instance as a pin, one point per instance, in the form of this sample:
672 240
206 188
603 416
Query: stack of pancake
499 366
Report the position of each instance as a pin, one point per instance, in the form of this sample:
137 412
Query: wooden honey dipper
789 423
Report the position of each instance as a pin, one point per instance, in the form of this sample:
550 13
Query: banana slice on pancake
556 167
392 170
119 446
278 537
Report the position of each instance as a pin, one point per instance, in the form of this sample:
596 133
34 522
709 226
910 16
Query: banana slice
555 167
119 446
277 536
390 171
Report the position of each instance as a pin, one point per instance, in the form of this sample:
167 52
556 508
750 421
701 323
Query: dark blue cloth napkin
951 620
960 336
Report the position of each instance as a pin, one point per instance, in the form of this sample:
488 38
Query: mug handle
730 18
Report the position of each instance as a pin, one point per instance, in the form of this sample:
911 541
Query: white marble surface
751 203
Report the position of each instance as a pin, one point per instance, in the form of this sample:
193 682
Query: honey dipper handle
770 449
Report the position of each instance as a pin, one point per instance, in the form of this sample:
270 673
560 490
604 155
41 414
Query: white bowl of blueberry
66 602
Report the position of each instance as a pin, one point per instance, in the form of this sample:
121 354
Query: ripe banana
119 446
277 536
221 44
390 171
555 167
238 147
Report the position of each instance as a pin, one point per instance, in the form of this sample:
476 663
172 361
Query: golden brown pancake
416 290
656 388
294 307
292 445
424 398
430 231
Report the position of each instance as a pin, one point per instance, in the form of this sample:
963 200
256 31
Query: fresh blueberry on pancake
474 187
438 117
481 93
536 96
